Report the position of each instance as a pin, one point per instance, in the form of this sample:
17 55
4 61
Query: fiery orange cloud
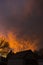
19 45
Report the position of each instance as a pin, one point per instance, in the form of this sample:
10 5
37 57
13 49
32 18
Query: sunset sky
24 18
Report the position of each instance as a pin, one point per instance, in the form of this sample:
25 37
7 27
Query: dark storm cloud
24 15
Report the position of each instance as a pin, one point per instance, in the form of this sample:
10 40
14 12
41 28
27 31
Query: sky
24 18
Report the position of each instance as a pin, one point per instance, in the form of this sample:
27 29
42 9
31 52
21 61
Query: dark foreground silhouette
3 61
30 58
27 56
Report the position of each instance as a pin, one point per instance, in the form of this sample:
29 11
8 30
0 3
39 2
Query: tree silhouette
4 47
3 44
